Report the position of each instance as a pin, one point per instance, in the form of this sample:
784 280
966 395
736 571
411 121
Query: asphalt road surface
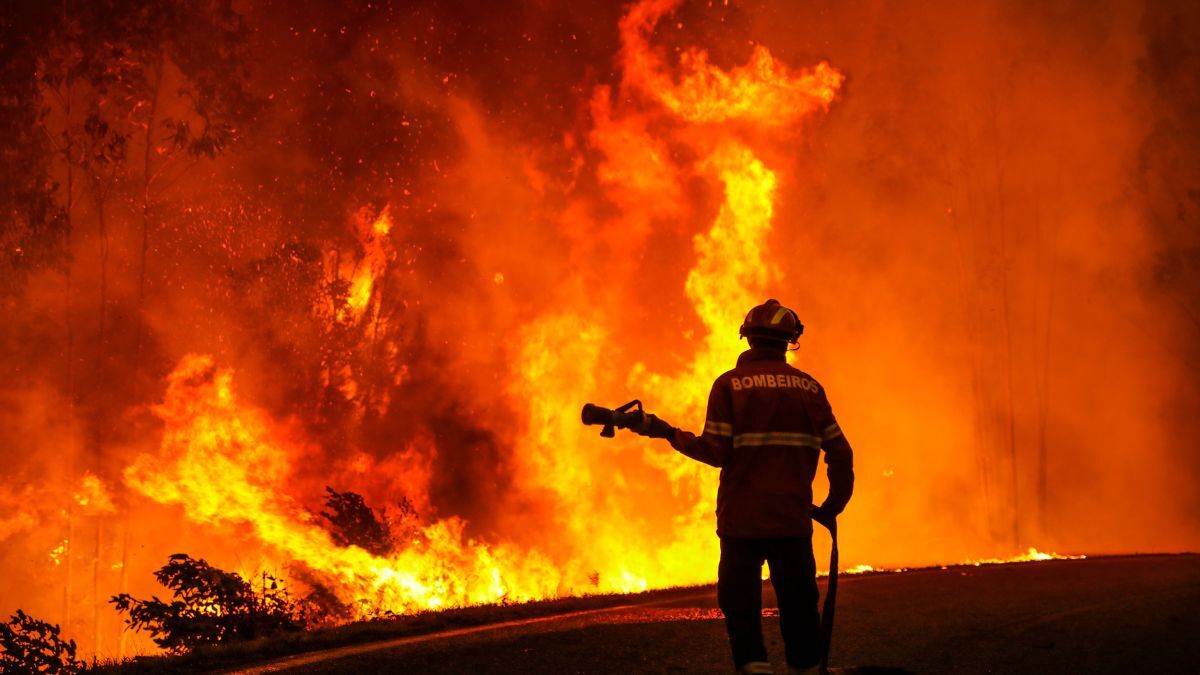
1137 614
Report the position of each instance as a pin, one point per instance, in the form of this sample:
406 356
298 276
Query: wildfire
333 297
228 465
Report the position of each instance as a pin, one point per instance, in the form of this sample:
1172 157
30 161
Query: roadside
1100 615
1112 614
383 631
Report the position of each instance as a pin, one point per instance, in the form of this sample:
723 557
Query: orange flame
93 496
731 271
764 92
378 253
1031 555
228 465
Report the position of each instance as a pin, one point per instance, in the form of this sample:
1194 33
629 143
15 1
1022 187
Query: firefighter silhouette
766 425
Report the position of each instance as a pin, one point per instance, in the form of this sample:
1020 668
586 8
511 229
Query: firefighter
767 423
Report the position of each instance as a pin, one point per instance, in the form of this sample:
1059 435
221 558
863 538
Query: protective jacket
766 425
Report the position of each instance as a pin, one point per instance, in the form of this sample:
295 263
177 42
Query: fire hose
830 593
631 415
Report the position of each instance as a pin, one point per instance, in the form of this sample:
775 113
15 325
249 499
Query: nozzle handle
612 419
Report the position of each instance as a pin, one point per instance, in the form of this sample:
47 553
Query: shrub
28 645
211 606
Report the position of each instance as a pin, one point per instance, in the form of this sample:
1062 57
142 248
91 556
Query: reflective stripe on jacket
766 425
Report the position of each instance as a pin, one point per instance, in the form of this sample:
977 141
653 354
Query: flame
93 496
378 252
228 465
1031 555
59 553
731 271
764 92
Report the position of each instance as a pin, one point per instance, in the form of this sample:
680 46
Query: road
1100 615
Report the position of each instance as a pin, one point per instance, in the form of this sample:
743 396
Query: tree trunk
124 640
147 175
102 368
70 351
97 603
67 587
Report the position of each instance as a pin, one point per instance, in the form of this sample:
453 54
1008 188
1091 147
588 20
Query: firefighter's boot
756 668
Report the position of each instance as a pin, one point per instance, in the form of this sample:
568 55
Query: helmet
772 320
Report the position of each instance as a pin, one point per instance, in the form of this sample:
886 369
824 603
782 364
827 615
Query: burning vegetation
315 293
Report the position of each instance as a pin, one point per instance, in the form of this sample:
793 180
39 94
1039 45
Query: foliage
353 523
211 606
119 51
31 223
28 645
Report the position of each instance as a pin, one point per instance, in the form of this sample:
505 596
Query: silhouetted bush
353 523
211 606
28 645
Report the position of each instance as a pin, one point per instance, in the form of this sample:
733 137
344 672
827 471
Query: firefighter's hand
653 427
823 515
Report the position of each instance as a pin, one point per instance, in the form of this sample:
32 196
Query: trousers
794 578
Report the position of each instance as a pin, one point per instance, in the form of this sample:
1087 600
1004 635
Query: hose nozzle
594 415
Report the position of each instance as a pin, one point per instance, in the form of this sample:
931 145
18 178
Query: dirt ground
1100 615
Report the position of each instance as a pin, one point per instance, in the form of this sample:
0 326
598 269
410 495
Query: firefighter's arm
839 460
653 426
716 442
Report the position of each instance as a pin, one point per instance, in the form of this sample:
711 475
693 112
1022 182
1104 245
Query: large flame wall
440 234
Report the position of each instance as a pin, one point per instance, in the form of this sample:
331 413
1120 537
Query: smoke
990 234
978 242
